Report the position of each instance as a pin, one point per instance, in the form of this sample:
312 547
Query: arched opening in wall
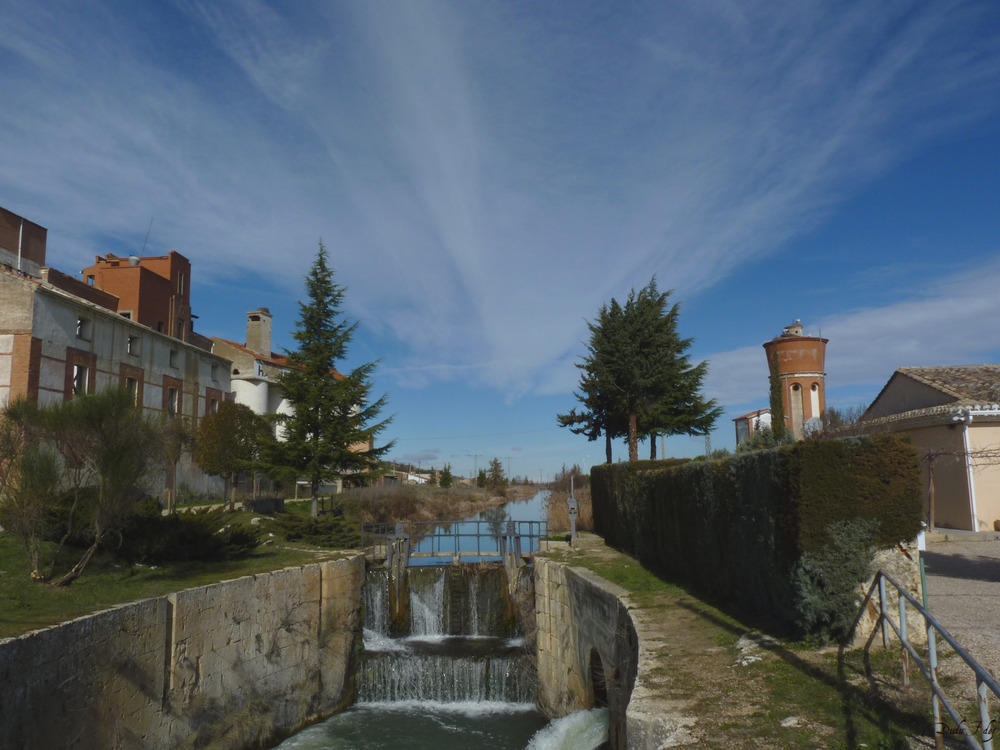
814 410
598 680
797 419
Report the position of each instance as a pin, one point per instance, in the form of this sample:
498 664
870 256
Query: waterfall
460 643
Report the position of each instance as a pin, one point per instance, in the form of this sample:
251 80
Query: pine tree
447 479
332 430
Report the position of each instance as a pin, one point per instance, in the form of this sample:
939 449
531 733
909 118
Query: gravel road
963 593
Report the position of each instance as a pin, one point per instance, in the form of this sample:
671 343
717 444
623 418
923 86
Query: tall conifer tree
637 380
331 432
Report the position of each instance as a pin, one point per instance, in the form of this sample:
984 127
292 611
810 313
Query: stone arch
598 680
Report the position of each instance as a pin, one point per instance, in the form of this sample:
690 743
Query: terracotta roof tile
968 384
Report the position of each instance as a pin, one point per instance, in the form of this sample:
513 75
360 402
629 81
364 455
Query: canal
430 688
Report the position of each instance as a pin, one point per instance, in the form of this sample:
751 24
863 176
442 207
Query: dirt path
712 681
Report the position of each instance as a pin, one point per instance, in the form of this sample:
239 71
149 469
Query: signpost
574 507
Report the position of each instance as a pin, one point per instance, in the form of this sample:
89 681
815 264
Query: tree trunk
315 499
633 438
77 570
607 445
652 447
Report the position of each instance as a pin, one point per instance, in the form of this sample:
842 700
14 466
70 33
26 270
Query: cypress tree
777 402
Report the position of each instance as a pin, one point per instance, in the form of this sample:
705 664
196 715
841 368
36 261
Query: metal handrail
445 538
985 683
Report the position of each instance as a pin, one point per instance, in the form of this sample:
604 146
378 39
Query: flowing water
450 669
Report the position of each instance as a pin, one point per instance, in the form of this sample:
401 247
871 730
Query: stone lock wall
224 665
588 648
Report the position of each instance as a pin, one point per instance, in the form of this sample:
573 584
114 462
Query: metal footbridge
412 543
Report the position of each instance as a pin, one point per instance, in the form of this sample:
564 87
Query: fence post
882 609
903 639
984 714
935 701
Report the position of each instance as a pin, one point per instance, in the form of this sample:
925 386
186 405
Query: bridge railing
985 683
427 540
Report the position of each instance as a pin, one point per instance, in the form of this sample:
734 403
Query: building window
81 380
215 372
159 326
180 283
134 345
174 355
172 402
213 405
132 386
83 329
90 280
127 314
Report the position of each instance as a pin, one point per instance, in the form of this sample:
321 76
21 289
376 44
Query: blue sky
486 175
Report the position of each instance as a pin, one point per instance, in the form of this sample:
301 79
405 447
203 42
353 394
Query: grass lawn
25 605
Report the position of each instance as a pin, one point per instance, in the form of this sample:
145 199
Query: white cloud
485 177
952 321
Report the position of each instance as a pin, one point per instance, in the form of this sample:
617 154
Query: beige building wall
952 502
984 449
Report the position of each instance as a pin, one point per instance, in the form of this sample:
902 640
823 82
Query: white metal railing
985 683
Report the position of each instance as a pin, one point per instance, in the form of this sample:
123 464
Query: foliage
108 451
637 380
777 401
447 479
332 430
764 437
328 530
481 478
232 441
153 539
432 479
561 481
825 581
496 479
739 527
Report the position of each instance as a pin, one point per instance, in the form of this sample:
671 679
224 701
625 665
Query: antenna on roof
143 251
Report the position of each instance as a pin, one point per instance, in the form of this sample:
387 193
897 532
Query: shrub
329 531
825 582
150 538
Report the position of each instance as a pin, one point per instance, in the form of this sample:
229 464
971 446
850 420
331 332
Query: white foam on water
463 708
581 730
378 642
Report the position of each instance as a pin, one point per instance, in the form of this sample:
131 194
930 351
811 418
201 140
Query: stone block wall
221 665
587 645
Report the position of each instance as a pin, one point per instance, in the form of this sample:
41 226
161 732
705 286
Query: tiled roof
968 384
279 360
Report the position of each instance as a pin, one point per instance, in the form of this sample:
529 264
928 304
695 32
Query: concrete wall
588 650
217 666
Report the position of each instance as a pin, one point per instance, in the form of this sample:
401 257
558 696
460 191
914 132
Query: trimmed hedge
738 527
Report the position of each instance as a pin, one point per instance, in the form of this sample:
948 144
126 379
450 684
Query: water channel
460 677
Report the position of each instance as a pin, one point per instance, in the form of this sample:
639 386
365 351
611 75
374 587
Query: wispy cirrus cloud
485 176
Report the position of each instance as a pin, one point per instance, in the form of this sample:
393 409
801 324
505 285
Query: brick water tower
800 361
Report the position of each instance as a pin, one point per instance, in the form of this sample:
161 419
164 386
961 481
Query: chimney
259 331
